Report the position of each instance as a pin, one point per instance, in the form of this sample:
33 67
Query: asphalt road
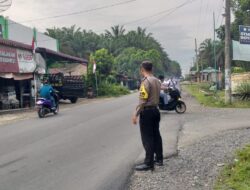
86 147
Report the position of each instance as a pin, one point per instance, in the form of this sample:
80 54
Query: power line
205 18
199 19
220 11
148 17
164 13
175 9
5 4
79 12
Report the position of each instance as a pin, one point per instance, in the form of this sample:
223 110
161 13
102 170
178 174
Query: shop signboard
26 61
8 60
244 34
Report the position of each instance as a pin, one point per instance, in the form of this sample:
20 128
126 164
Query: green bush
205 86
107 89
244 91
238 70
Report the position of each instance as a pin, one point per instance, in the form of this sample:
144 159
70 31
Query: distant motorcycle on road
45 106
174 104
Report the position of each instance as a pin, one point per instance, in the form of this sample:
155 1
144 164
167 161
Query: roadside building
193 76
211 75
14 31
45 46
22 65
130 82
17 68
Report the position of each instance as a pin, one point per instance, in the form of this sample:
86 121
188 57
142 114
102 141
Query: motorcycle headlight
39 102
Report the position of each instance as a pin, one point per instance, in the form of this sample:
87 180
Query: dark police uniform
150 119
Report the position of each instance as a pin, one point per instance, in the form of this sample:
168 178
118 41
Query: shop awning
60 57
16 76
15 44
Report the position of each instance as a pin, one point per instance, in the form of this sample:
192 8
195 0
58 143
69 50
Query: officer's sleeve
143 97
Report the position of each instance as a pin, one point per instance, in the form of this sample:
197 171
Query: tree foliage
104 61
207 57
241 10
128 48
129 60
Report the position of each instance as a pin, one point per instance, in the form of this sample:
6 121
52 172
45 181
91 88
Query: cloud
176 32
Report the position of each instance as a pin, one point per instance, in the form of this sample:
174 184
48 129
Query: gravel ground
196 166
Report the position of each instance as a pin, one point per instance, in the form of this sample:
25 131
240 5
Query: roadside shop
17 67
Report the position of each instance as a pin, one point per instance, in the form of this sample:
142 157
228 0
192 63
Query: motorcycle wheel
181 108
41 113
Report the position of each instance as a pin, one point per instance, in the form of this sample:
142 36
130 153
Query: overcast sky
176 32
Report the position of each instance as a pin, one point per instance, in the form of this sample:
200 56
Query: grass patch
236 176
112 90
210 98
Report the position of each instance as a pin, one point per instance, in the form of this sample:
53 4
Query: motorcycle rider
173 83
164 87
46 92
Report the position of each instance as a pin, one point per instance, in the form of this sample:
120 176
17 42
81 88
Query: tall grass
244 91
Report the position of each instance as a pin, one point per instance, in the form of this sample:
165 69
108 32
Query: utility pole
197 61
214 48
196 56
228 90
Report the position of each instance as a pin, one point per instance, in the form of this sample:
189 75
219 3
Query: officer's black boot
144 167
159 162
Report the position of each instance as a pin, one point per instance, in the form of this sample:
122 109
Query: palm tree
116 32
142 32
139 38
206 53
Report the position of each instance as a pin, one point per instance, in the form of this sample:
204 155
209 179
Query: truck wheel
73 100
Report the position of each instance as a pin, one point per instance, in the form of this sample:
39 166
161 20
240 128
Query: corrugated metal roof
23 46
209 70
15 44
61 56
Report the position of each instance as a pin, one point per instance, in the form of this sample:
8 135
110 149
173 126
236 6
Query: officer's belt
150 108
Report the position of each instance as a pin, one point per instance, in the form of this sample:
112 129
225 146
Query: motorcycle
175 103
46 106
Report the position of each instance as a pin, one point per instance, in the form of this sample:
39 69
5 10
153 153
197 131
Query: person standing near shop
150 118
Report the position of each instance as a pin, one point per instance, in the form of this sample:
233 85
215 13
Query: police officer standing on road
150 118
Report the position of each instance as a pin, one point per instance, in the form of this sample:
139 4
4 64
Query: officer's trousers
150 134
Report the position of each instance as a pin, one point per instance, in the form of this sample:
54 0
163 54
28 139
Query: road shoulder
196 166
196 136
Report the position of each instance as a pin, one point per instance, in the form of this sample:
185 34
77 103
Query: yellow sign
143 92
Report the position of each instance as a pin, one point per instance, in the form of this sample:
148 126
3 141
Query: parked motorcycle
174 104
46 106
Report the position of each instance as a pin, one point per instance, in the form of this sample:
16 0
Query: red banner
8 61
